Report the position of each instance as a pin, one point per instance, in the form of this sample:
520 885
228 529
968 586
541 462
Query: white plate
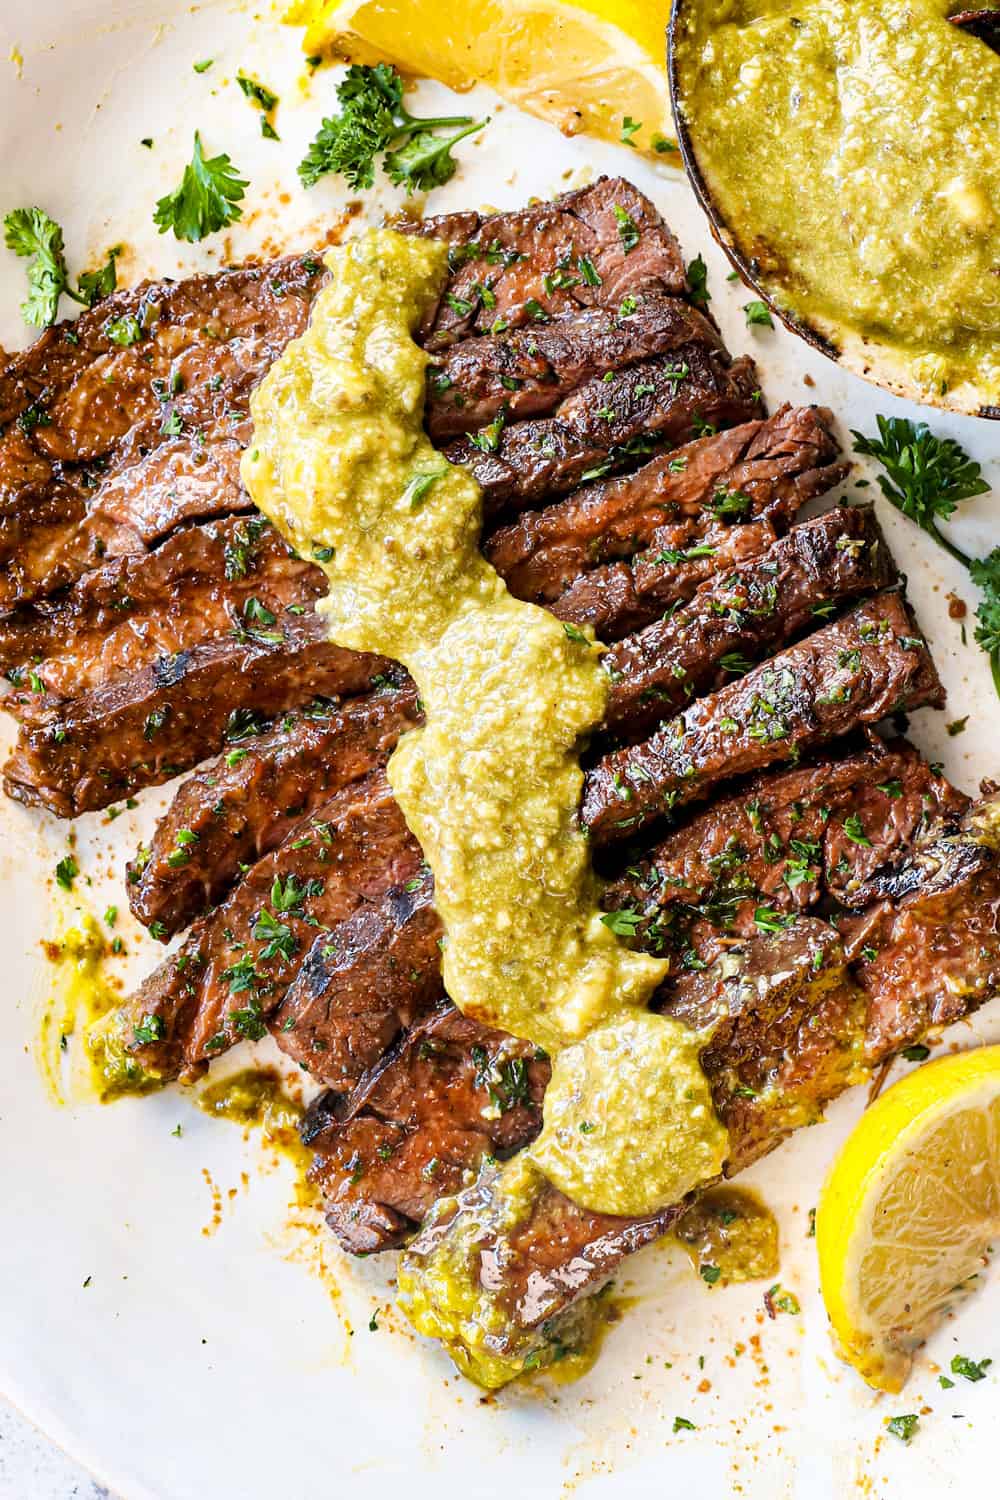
219 1364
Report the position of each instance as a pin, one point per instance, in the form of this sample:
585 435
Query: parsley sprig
30 233
926 477
208 198
374 121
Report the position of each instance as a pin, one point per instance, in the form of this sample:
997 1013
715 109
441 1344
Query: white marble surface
33 1468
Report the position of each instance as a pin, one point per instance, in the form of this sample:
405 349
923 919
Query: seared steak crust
528 371
472 1091
602 425
151 724
549 260
242 805
739 617
98 418
777 464
855 671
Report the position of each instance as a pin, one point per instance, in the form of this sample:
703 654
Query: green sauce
730 1235
491 786
851 146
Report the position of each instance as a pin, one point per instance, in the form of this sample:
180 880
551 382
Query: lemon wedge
597 66
908 1211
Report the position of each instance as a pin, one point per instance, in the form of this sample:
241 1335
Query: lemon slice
908 1211
584 66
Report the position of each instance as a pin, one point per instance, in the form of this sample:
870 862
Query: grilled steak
603 424
745 865
777 464
99 417
151 724
587 248
855 671
739 617
242 805
236 963
226 577
471 1090
527 372
356 989
798 1040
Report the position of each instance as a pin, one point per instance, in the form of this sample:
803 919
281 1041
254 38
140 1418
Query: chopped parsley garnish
681 1424
150 1029
903 1427
628 229
576 635
970 1369
623 923
709 1274
697 275
854 828
917 1052
417 488
758 315
629 128
207 200
257 92
66 872
373 122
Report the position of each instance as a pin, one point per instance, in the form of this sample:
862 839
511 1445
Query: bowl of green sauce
846 158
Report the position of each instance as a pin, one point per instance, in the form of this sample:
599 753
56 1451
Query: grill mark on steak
149 725
739 617
529 371
537 1270
603 425
195 586
857 670
357 989
778 847
97 459
472 1090
240 807
235 965
530 265
778 464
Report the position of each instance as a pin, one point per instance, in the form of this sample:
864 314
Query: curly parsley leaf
31 233
926 477
373 122
208 198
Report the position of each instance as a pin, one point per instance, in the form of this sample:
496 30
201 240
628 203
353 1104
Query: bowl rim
725 238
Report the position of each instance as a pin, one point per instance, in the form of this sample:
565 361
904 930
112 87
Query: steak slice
242 805
357 988
778 464
857 670
791 1039
587 248
130 420
603 425
236 963
226 577
736 618
473 1092
152 724
528 371
749 864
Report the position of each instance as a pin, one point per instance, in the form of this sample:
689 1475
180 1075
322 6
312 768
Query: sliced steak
359 987
115 428
152 724
603 425
528 371
242 805
855 671
227 577
791 841
746 866
778 464
587 248
794 1034
236 963
738 617
473 1092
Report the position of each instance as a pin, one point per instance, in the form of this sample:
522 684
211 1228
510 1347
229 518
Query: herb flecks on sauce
491 785
851 149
